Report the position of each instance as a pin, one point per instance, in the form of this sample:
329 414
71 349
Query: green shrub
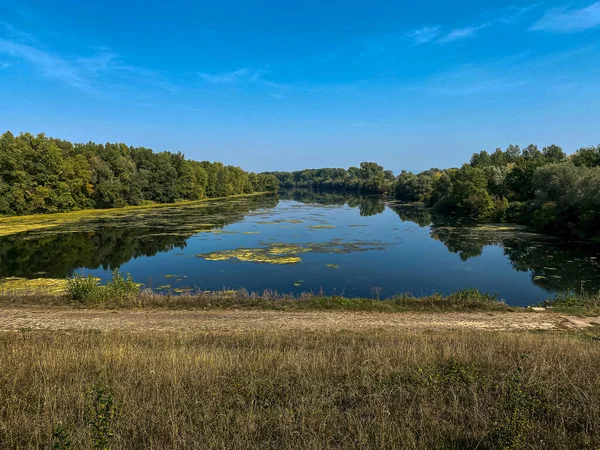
515 212
514 421
82 289
86 290
99 416
582 303
122 289
544 217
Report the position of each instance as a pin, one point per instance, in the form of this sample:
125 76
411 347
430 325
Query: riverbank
291 380
18 224
126 294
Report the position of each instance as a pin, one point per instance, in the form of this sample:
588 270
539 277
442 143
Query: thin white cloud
101 61
473 79
88 73
461 33
13 33
564 20
406 39
49 65
244 75
504 16
512 13
131 74
487 86
523 71
423 35
5 65
256 77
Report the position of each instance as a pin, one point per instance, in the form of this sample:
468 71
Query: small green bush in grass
584 304
82 289
87 290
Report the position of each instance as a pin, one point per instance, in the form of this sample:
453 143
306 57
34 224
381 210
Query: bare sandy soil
14 319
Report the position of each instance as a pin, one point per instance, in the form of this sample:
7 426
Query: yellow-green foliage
24 286
270 255
80 220
502 227
182 290
275 222
282 253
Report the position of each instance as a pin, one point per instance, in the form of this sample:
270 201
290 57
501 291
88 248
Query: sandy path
12 319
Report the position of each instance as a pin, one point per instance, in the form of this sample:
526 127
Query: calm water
354 246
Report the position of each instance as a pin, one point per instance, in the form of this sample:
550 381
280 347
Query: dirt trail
12 319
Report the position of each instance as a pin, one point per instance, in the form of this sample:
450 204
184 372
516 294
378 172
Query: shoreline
9 227
58 294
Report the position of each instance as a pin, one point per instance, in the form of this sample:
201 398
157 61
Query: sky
272 85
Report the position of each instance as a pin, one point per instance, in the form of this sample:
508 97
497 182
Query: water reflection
56 256
112 242
108 243
367 205
555 265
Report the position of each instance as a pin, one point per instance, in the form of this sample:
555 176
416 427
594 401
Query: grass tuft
581 304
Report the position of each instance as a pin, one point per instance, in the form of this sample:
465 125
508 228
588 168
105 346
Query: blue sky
271 85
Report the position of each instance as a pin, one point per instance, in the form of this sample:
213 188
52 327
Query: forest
40 175
369 178
546 189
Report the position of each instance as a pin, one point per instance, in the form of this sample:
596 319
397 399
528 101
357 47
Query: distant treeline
369 178
39 174
546 189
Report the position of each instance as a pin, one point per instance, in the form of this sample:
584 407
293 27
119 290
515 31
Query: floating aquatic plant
259 255
282 253
23 286
185 217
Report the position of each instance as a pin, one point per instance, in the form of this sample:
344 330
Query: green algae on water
282 253
24 286
268 255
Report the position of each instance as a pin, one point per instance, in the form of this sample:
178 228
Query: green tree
587 156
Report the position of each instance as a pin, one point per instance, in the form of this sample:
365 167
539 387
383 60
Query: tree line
546 189
39 174
369 178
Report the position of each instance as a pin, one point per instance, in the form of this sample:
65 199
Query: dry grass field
238 379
